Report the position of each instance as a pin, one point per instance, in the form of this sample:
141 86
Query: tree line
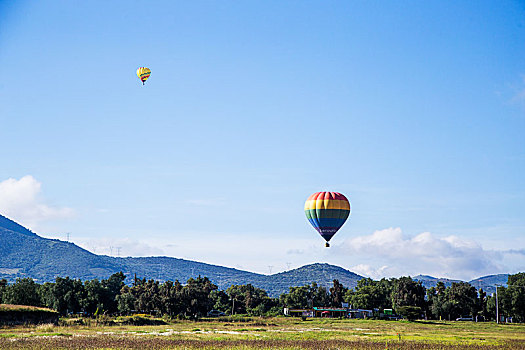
199 295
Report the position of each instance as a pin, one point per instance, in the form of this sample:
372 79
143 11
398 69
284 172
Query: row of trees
112 296
198 296
410 298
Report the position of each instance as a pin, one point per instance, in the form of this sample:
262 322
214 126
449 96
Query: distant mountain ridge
487 283
25 254
429 281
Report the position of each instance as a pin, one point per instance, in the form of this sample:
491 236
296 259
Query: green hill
25 254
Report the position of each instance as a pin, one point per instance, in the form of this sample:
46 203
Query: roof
329 309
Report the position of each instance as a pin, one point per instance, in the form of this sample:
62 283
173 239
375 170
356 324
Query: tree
516 296
65 295
170 298
195 296
407 292
437 301
126 301
464 299
93 297
148 297
490 305
319 295
337 293
23 292
221 301
3 288
482 303
111 288
305 297
370 294
249 299
409 312
297 298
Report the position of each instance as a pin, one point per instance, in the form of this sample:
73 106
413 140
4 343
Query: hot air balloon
143 73
327 212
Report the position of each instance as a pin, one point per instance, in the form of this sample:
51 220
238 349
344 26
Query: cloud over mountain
396 251
22 200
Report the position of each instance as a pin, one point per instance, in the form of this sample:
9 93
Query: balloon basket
327 245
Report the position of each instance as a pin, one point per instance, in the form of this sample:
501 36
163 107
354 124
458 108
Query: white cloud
424 253
21 201
515 251
369 271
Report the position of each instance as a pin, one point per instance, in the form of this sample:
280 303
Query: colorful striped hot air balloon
327 212
143 73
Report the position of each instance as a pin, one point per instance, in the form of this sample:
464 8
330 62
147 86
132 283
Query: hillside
488 283
13 226
25 254
322 274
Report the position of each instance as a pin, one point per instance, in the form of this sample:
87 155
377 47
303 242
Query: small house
360 313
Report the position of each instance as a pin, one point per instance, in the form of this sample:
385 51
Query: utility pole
67 235
497 311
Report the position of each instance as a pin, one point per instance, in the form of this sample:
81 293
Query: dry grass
113 342
274 333
9 307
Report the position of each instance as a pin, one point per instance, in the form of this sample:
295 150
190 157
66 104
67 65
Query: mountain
25 254
322 274
429 281
487 283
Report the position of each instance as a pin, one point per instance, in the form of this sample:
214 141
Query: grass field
269 333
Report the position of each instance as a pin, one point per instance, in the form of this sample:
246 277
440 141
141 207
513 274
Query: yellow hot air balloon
143 73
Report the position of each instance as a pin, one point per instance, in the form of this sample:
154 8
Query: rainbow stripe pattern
327 212
143 73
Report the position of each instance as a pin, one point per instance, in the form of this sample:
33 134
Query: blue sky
414 110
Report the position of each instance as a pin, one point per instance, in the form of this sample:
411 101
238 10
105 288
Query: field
267 333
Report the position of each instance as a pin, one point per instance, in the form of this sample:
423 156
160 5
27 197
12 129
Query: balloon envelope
143 73
327 212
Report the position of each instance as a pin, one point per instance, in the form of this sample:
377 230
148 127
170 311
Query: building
331 312
298 312
360 313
